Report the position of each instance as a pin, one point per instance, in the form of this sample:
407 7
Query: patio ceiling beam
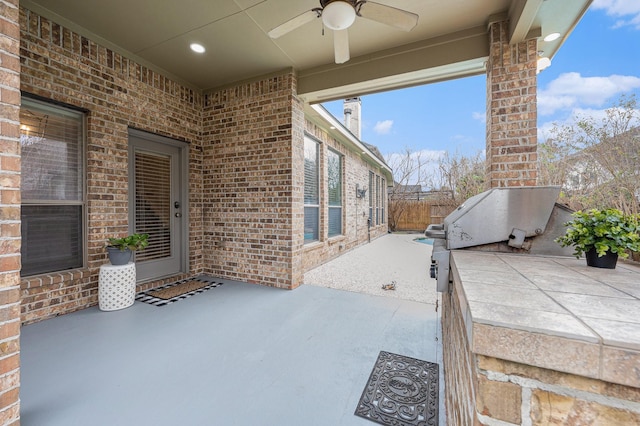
442 58
522 17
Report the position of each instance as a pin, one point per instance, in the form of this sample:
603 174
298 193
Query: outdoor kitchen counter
552 312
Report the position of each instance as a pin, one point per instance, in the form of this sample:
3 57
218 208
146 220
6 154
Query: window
377 200
334 184
371 180
383 196
311 191
52 188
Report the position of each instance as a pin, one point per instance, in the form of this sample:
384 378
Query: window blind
52 188
153 203
383 195
311 187
377 200
334 178
334 184
52 166
311 191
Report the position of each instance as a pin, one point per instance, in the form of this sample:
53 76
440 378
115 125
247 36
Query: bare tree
443 180
596 160
459 177
411 171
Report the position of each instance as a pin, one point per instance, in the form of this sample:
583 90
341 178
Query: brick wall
63 66
511 110
481 390
355 210
458 362
254 186
9 213
246 179
249 192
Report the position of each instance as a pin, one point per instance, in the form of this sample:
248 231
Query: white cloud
577 114
571 90
627 10
383 127
480 116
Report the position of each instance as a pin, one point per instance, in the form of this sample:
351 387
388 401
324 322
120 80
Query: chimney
347 118
352 114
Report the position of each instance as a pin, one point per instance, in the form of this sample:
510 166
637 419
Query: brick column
9 213
511 110
253 182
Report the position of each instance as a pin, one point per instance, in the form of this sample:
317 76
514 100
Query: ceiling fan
338 15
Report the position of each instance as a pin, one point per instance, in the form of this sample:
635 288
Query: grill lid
500 214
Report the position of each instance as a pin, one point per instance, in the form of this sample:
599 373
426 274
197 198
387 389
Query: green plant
605 230
133 242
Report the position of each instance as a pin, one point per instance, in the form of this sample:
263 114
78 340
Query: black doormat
176 291
401 391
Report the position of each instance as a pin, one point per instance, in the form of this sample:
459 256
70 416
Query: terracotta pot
608 261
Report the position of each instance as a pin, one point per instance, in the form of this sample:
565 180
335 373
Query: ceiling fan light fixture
338 15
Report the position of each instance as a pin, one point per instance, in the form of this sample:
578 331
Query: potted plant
121 249
602 235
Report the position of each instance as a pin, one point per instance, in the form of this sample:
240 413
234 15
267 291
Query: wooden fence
417 215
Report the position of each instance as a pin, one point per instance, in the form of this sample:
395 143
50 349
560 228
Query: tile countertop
552 312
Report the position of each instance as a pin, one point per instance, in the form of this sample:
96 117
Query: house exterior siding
355 210
245 166
9 214
61 66
251 135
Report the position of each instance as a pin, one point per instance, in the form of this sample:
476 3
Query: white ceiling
449 41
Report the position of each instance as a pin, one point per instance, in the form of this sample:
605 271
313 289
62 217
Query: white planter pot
116 286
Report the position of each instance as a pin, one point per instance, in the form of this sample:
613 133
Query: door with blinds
157 201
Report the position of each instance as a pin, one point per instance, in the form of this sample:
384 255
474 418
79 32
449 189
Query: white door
157 203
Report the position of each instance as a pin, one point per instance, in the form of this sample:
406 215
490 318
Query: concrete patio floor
238 354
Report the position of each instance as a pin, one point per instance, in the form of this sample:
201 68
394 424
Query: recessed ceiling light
198 48
552 36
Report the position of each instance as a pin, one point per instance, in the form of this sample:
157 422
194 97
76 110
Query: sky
599 62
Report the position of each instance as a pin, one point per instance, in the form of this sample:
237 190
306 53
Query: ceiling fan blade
294 23
341 45
397 18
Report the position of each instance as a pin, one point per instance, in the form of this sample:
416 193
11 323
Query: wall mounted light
360 193
542 64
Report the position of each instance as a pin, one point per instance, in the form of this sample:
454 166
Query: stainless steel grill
520 220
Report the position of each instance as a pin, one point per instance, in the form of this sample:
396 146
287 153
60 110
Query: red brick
512 112
8 364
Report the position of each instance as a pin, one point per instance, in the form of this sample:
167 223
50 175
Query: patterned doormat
174 292
401 391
